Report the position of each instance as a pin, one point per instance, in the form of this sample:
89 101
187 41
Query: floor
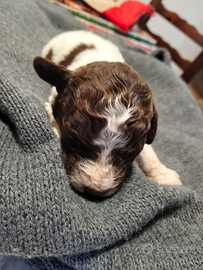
196 86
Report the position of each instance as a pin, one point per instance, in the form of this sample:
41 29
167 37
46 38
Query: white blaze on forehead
116 113
111 137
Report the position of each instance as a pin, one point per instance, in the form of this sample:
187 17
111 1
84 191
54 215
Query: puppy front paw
165 176
52 120
48 109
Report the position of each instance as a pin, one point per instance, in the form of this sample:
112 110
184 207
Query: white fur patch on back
64 43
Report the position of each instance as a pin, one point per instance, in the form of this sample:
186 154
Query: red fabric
128 13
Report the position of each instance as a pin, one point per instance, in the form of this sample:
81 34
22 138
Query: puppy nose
95 193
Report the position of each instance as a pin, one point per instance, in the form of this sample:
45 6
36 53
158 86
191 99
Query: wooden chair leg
193 68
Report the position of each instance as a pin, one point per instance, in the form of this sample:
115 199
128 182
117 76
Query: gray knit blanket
44 223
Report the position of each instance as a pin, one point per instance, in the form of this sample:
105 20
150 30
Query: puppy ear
152 132
50 72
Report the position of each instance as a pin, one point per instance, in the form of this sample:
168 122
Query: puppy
103 112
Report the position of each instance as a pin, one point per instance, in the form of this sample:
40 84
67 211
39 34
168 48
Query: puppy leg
48 108
154 169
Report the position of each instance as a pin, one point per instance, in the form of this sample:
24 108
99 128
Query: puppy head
106 114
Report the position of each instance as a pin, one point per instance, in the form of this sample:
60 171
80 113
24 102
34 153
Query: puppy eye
80 150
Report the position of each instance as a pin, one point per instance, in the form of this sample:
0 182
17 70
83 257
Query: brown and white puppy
103 112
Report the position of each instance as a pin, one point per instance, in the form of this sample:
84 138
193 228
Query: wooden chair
189 68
